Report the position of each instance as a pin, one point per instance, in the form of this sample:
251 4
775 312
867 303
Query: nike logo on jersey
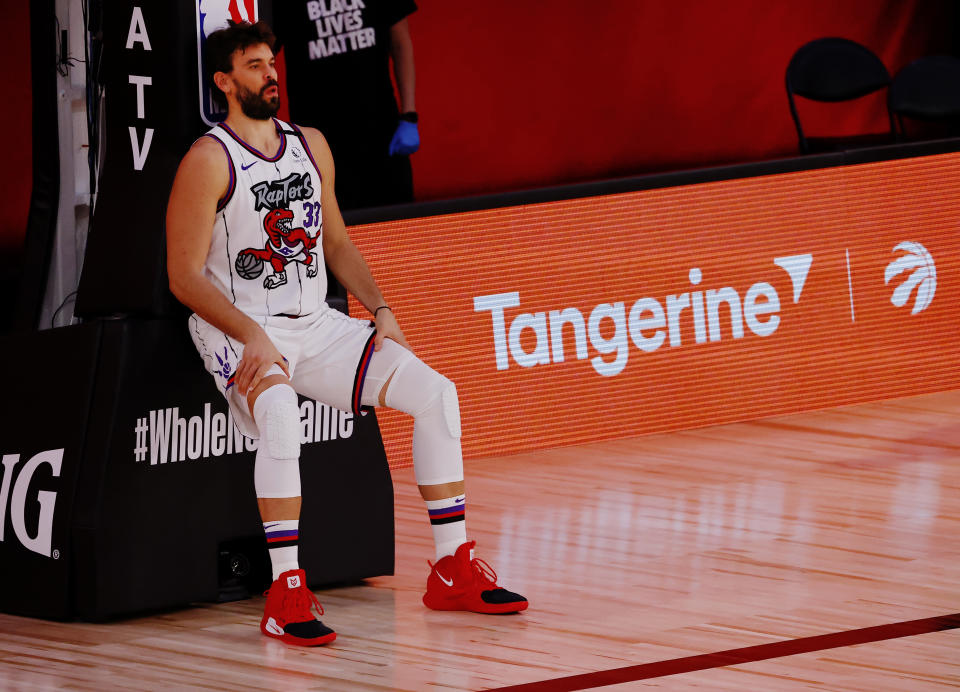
248 165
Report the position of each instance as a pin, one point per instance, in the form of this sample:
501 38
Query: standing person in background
338 55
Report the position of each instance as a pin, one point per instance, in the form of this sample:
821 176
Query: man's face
254 77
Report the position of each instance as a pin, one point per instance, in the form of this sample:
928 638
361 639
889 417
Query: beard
255 105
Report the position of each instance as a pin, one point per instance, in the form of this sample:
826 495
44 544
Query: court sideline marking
748 654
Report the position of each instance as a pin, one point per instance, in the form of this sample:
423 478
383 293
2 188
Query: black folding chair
833 70
928 89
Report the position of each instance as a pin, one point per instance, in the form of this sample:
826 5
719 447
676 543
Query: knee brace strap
451 409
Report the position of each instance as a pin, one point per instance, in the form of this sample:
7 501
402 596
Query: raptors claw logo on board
284 244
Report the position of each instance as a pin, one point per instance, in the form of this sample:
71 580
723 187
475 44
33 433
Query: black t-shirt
337 54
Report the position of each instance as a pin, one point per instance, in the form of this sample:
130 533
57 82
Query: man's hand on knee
259 355
388 328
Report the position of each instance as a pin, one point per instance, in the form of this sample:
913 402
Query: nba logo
213 15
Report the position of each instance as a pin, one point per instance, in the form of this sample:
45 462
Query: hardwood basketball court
824 547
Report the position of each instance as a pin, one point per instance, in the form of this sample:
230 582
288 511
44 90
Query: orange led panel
620 315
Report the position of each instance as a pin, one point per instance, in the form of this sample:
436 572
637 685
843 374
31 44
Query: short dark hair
222 44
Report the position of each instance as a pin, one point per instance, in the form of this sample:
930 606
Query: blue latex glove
406 139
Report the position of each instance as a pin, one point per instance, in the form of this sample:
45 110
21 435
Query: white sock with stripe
283 545
447 519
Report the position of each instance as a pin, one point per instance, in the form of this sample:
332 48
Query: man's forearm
201 296
401 50
351 270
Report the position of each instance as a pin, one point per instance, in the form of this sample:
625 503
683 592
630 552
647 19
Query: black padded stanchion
44 428
154 505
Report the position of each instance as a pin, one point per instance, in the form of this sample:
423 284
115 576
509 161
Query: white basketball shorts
328 355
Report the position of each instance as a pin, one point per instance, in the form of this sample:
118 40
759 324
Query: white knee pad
451 408
432 400
416 387
277 468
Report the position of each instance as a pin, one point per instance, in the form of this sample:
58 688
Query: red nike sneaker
463 582
288 614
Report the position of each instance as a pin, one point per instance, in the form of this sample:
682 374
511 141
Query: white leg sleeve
277 468
431 399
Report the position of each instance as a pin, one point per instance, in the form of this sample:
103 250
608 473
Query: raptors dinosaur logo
284 245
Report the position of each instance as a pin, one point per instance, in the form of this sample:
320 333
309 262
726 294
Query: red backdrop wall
514 95
15 122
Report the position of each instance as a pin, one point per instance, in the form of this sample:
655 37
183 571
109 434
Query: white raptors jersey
266 254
